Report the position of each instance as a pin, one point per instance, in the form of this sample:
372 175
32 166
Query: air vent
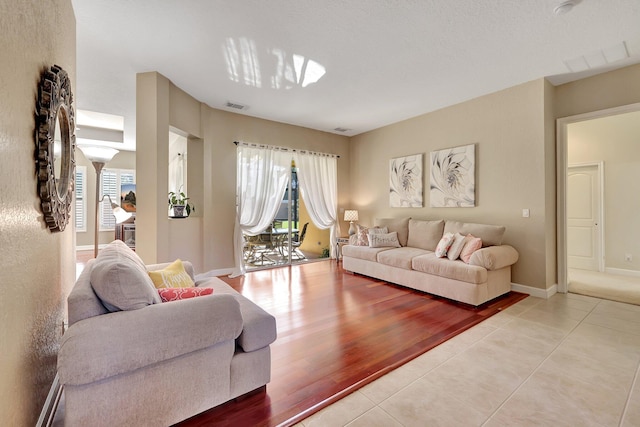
598 58
235 105
341 129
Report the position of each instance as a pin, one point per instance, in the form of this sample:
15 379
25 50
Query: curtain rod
274 147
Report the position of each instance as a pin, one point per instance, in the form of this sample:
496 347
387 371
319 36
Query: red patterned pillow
175 294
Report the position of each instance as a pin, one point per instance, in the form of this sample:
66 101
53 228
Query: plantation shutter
81 202
111 182
109 186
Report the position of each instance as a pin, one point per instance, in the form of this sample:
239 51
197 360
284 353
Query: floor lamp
99 156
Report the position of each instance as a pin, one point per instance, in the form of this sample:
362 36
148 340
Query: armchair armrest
103 346
494 257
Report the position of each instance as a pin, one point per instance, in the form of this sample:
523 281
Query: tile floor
566 361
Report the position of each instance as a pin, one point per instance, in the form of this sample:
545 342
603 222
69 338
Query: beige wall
122 160
206 238
614 140
512 145
607 90
37 267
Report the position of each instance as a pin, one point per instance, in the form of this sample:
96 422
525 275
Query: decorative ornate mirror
55 147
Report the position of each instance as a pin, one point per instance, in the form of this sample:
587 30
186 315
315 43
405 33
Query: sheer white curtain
318 177
262 175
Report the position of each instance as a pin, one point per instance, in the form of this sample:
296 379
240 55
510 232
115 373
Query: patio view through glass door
267 179
283 241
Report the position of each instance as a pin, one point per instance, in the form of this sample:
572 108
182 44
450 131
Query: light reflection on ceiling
286 72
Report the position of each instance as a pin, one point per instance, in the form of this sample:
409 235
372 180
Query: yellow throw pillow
172 276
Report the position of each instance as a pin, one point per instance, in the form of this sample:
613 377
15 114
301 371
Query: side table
341 241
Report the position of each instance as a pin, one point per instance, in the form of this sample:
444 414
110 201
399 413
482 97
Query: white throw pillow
363 234
456 247
378 230
377 240
444 244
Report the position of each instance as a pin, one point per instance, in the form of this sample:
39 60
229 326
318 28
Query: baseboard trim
535 292
622 272
51 404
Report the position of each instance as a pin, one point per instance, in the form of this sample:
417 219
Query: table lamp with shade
351 215
100 156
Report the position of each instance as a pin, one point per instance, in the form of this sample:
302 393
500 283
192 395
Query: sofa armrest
188 267
103 346
494 257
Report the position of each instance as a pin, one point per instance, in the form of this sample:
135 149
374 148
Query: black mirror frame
56 195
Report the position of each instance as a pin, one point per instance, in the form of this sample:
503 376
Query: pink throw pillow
362 234
472 245
175 294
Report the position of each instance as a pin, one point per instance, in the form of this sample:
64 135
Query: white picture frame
405 182
452 177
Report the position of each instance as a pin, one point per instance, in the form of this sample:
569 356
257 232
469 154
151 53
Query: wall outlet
628 257
525 213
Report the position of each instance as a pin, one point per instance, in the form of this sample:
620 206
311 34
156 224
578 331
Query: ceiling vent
236 106
598 58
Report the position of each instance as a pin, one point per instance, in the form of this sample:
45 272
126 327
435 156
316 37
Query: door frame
561 183
600 232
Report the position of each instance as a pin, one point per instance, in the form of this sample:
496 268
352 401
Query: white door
584 247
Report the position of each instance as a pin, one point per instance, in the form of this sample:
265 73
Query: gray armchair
163 363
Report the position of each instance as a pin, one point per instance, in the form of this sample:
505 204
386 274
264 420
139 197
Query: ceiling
354 65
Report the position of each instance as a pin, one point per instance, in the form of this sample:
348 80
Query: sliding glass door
273 226
279 244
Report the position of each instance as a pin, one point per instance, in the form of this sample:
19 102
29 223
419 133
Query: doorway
593 249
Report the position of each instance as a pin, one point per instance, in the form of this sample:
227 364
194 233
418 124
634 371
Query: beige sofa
487 275
154 363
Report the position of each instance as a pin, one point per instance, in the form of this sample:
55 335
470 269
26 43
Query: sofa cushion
82 301
176 294
362 252
400 257
258 326
472 245
444 267
456 247
172 276
444 244
491 235
425 234
363 232
399 225
120 279
388 240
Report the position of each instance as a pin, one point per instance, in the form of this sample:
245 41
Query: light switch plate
525 213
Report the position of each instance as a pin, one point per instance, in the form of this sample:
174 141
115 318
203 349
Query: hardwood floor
336 333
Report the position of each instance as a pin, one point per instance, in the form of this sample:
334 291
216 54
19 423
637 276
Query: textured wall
37 267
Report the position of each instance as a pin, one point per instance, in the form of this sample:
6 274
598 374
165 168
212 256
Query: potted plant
178 202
